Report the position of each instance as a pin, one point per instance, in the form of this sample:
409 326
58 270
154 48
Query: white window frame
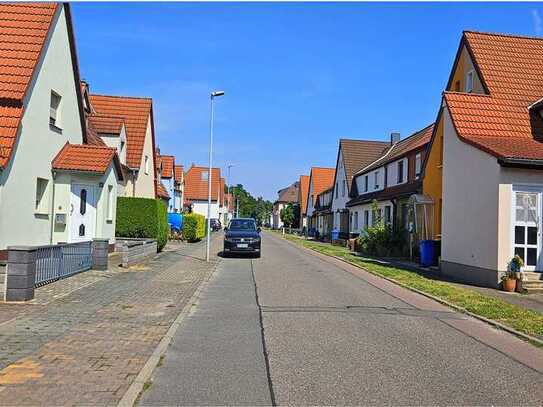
418 165
470 76
55 111
41 204
146 168
376 185
530 223
356 220
366 183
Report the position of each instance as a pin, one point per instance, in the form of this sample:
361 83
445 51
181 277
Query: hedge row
194 227
142 218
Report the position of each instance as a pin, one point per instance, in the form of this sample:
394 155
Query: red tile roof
196 187
168 162
106 124
358 154
501 123
322 179
413 142
161 191
304 188
92 136
78 157
23 30
136 113
289 194
178 173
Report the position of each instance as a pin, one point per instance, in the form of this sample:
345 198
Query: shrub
194 227
142 218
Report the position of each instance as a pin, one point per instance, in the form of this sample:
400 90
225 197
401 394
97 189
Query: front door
527 228
82 213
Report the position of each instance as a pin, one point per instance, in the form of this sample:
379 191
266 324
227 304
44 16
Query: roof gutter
521 163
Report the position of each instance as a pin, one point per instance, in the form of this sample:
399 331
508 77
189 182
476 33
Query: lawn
523 320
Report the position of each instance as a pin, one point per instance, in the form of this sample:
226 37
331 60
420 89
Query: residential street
334 335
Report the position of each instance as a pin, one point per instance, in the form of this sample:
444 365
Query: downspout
54 176
133 183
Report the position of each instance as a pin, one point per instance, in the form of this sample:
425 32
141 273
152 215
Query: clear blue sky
297 76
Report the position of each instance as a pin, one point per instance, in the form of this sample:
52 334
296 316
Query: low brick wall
134 251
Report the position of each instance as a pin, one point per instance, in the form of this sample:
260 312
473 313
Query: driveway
294 328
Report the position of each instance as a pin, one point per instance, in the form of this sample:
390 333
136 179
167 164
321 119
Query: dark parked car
215 224
242 236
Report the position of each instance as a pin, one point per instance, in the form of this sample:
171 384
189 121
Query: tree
290 215
249 207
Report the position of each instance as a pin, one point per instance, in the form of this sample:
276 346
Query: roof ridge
509 35
362 140
122 97
453 92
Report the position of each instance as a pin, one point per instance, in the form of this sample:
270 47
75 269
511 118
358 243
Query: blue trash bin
335 234
427 253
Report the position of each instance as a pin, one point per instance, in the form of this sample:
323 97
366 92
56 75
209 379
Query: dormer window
366 183
376 180
469 81
54 111
205 176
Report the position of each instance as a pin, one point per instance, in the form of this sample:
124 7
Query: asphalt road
294 328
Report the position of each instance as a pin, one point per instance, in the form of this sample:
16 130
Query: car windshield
242 224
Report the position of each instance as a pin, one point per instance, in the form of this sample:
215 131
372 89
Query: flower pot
509 285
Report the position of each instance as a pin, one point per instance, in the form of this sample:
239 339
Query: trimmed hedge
194 227
142 218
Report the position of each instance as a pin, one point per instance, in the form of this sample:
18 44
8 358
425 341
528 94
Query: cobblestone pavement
84 339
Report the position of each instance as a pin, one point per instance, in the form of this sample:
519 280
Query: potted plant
509 280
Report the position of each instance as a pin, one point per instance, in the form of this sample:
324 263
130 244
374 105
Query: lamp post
229 182
209 174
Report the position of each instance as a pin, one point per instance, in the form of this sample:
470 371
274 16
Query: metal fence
58 261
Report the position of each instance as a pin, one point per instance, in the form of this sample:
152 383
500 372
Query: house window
366 183
526 227
457 86
376 180
110 202
400 172
351 221
146 165
356 220
343 188
418 165
388 217
205 175
83 202
366 218
54 111
41 199
337 189
469 81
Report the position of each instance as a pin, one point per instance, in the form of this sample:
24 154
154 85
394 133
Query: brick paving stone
84 339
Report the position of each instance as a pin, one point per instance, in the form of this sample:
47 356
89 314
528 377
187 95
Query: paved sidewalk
84 339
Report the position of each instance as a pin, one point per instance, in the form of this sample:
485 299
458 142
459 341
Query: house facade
54 185
324 217
382 189
302 200
352 156
484 171
286 196
166 175
196 191
179 187
136 115
320 179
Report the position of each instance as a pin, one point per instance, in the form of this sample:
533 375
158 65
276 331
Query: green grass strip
522 319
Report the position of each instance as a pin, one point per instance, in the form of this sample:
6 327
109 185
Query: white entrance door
527 228
82 213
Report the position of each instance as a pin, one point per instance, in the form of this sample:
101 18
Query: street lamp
209 174
228 183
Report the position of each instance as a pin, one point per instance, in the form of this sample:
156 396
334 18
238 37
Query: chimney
394 138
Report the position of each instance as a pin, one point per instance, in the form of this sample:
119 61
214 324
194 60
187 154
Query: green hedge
142 218
194 227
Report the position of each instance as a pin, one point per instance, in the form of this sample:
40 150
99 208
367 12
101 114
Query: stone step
531 276
533 290
532 284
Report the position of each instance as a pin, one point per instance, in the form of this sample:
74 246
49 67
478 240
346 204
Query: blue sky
297 76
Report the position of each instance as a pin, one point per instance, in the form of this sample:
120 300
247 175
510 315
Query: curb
496 324
131 395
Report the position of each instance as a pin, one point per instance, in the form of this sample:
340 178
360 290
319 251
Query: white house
166 175
179 187
136 143
196 190
286 196
352 156
320 179
54 186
